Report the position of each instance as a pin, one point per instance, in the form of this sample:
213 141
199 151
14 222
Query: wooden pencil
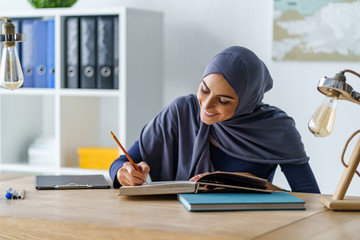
124 151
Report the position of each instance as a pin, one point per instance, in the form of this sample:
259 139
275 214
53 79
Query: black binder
88 52
105 52
72 52
116 53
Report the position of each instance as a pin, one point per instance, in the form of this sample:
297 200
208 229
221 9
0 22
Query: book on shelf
240 201
212 182
42 152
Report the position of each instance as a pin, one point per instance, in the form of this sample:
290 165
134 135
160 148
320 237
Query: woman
225 127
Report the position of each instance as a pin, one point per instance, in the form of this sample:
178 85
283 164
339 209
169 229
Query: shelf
28 92
89 92
80 117
61 92
40 170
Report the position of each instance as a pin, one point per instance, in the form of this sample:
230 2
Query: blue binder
51 53
17 24
40 56
27 53
1 44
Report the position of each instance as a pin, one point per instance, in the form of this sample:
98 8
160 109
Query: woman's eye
224 102
205 90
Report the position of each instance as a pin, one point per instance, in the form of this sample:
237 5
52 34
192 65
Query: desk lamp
11 75
321 125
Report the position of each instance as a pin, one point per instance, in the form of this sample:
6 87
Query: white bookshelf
83 117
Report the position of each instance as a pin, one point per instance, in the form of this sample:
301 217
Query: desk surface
102 214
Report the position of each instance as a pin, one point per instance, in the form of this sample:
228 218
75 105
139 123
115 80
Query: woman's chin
208 121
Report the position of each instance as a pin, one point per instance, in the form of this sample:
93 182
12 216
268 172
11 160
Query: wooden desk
102 214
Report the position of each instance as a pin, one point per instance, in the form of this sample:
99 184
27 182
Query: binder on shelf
88 52
17 24
40 56
27 53
116 53
1 45
105 52
72 53
50 54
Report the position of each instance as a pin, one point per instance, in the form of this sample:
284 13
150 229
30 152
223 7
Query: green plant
51 3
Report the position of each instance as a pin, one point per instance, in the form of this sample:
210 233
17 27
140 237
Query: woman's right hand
127 175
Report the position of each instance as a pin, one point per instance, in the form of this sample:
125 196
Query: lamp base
342 205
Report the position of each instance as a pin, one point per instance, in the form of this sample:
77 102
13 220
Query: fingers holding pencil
131 173
129 176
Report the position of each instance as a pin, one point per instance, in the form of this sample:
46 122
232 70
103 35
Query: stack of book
42 152
220 191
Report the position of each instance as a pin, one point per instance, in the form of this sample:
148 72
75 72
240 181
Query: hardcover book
212 182
240 201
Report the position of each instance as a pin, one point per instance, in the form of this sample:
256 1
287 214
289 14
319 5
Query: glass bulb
322 122
11 75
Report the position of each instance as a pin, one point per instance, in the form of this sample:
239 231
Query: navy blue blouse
299 176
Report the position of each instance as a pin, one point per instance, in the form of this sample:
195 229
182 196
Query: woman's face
217 99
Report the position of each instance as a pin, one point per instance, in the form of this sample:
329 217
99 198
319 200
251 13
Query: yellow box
97 157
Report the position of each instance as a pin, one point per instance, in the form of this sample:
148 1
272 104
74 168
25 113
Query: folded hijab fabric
175 144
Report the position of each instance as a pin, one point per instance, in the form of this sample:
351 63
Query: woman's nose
208 103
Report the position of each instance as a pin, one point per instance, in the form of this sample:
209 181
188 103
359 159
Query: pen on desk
123 149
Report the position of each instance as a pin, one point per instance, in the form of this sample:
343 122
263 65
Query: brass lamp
321 125
11 75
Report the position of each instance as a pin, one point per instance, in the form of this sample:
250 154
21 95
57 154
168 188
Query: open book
212 182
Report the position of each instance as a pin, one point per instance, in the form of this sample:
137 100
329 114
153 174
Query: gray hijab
175 144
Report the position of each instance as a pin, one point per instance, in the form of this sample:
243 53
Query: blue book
51 54
27 52
240 201
40 55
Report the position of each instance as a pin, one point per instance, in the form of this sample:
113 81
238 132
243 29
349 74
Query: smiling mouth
207 114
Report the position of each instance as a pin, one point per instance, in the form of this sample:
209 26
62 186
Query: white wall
197 30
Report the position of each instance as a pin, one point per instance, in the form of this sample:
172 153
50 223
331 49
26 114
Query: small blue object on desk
9 193
12 194
240 201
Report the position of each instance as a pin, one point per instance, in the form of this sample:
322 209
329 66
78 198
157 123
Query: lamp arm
345 147
349 171
350 71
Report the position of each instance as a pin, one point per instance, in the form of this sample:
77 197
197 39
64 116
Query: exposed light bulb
322 122
11 75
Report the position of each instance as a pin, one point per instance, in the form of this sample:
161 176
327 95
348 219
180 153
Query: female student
225 127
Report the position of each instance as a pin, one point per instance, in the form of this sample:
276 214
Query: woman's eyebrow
227 96
205 84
